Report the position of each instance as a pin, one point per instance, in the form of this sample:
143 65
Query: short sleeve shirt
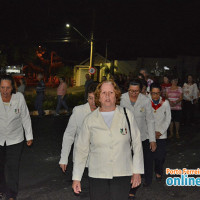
174 95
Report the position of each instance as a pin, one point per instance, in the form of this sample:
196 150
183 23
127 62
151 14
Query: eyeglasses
134 91
155 93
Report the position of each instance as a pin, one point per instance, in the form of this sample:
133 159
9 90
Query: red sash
155 107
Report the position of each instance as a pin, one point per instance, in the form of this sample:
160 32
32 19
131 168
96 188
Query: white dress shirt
72 131
162 117
190 92
14 121
142 112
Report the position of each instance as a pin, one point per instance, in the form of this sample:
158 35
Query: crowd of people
119 133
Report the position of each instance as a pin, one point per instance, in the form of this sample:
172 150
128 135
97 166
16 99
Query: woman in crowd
175 95
74 125
162 115
14 120
144 87
166 83
190 98
61 94
140 105
105 141
22 86
147 78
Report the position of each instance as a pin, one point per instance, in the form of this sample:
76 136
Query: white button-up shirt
73 129
14 121
162 117
143 114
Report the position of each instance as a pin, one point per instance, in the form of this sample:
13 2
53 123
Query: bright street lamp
88 41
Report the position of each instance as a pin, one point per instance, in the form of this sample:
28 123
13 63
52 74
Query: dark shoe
131 197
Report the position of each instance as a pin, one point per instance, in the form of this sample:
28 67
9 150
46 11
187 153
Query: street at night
128 74
41 177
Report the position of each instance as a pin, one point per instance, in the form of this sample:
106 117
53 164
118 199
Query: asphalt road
41 178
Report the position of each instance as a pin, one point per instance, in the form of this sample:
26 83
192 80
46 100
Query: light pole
91 41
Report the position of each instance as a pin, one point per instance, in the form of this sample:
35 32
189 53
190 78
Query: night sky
130 28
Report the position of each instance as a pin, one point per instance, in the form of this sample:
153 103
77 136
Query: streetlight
88 41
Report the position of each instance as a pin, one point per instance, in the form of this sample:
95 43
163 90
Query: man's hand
135 180
158 134
153 146
29 143
76 186
63 167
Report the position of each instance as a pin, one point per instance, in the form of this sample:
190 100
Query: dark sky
130 28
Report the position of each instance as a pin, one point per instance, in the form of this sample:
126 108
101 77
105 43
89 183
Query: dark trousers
109 189
188 112
148 165
148 162
159 156
38 103
61 102
9 169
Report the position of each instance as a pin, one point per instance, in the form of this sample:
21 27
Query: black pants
159 155
148 165
109 189
188 112
39 103
9 169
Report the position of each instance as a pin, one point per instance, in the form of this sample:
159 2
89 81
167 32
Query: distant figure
87 83
166 83
190 98
147 79
15 124
103 78
40 89
61 93
174 94
144 87
22 86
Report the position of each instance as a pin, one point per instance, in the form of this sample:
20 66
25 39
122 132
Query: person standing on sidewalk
162 115
15 121
74 126
87 84
61 94
40 89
